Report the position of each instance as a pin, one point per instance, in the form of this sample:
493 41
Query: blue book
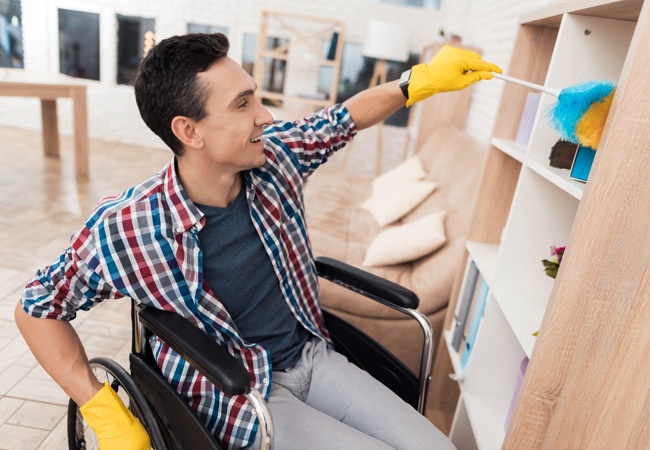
582 163
481 299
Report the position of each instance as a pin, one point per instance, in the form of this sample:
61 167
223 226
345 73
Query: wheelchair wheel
80 436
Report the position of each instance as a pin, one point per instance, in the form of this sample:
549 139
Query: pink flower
558 252
551 267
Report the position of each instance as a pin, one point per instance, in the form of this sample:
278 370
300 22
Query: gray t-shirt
238 270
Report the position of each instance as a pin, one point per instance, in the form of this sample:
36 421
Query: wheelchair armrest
197 348
367 284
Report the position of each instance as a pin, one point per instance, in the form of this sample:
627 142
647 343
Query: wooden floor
41 205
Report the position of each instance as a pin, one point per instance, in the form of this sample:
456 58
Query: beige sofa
340 229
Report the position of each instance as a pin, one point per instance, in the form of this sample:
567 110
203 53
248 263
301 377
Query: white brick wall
112 111
490 25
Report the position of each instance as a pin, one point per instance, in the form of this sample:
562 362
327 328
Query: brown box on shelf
562 154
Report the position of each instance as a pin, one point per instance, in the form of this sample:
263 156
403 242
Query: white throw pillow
393 205
407 242
409 170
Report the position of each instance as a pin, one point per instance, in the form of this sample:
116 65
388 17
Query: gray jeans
325 402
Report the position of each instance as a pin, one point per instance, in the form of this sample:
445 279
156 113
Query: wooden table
50 87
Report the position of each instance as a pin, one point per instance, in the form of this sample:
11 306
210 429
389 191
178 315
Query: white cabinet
524 207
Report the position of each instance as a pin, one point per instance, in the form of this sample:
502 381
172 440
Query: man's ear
185 130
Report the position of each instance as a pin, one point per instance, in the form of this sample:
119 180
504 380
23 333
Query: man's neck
206 185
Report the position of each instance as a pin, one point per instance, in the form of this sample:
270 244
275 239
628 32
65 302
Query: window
275 69
248 53
135 36
356 71
210 29
11 34
79 44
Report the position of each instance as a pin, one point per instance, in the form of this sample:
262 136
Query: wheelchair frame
170 421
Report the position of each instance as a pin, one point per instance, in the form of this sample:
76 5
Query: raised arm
373 105
451 69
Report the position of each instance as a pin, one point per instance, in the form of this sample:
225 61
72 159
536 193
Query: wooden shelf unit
586 383
310 46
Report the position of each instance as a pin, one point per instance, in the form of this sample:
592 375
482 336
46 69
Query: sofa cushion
408 241
410 170
346 233
387 207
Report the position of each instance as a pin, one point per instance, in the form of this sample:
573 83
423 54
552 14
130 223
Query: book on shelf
582 162
474 322
467 292
476 291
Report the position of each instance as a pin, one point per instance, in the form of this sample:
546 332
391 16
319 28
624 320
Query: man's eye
243 104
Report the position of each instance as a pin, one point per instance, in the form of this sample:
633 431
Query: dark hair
166 84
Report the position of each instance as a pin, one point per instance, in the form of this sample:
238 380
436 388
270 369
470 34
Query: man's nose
264 116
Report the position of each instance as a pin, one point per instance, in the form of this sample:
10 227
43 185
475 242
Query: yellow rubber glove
451 69
116 428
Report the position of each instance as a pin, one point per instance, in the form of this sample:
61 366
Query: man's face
232 129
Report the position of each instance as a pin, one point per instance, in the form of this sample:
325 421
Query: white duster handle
538 87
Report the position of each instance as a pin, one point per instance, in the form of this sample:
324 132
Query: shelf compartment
481 263
541 216
491 378
461 434
551 16
559 177
588 48
523 310
485 413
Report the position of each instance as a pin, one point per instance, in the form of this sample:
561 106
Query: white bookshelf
542 209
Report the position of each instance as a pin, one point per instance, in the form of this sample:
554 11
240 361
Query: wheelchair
172 424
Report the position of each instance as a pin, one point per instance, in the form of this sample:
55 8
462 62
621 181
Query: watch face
404 82
406 76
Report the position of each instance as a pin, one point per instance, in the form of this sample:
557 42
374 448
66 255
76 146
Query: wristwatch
404 82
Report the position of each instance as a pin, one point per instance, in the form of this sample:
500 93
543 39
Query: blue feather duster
573 102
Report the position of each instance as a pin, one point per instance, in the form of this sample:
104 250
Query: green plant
551 266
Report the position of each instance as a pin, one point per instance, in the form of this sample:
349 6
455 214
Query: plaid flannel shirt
143 244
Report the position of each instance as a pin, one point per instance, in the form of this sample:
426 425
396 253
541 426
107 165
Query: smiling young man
227 141
219 237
